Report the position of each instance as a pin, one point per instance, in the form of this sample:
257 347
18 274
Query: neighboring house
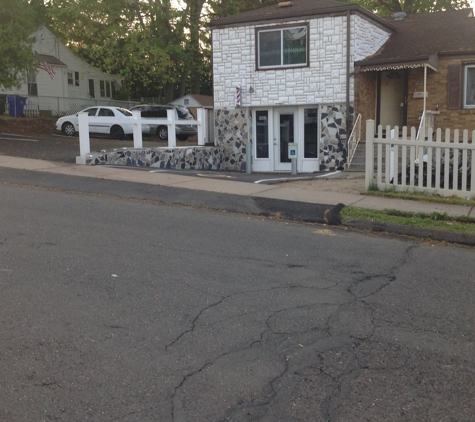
194 101
428 63
63 82
300 71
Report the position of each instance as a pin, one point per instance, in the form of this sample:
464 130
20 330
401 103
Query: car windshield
125 112
184 113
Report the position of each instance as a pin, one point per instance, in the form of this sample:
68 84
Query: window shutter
454 85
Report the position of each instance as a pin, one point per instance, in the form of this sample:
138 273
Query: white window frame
281 30
70 77
465 86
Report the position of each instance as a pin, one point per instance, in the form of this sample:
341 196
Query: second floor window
283 47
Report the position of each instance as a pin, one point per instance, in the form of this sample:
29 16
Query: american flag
42 64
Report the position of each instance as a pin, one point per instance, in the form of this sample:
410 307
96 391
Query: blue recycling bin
16 104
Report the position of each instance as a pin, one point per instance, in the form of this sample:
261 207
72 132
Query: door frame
404 73
278 111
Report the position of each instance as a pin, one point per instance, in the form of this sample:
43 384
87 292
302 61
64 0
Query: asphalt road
125 309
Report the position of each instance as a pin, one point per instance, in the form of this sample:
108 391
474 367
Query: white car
108 120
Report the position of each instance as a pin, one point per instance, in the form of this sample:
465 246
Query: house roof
50 60
204 100
422 38
295 9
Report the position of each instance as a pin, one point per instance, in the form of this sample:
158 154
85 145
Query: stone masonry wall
324 81
183 158
333 137
231 134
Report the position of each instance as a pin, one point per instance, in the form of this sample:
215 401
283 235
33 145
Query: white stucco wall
324 81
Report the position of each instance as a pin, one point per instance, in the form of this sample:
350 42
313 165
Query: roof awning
432 62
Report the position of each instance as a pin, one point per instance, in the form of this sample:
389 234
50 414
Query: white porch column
369 160
84 141
202 126
171 128
137 129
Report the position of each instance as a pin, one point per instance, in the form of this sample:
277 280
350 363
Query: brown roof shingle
422 35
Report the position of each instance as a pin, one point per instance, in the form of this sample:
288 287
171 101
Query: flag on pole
42 64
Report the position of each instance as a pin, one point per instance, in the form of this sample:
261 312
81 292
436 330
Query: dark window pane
310 133
470 87
269 48
295 45
262 134
286 136
91 88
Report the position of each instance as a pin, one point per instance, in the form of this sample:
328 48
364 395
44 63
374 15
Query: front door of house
284 133
392 94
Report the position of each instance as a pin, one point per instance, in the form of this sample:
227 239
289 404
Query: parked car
101 120
183 132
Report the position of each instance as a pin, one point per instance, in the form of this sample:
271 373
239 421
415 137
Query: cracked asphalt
125 309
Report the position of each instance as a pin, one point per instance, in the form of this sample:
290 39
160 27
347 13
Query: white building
63 82
282 74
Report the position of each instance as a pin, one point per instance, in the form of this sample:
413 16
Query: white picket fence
439 165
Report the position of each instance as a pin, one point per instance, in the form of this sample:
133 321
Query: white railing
445 169
426 122
138 122
353 141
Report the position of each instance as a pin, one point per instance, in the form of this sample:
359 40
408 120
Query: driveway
57 147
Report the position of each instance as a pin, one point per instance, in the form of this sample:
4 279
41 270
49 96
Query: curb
301 211
419 232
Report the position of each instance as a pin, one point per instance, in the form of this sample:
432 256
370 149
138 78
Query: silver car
107 120
183 132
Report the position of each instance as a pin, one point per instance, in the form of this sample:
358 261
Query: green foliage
17 21
434 221
388 7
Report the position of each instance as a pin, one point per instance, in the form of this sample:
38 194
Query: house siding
52 91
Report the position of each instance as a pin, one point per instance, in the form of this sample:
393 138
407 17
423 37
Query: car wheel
182 138
68 129
162 133
117 132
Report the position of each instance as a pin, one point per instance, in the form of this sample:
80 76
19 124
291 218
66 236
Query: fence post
369 161
137 129
201 114
84 144
171 128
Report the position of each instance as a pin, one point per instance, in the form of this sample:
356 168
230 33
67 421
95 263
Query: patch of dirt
28 125
344 182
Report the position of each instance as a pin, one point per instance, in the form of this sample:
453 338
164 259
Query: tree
388 7
17 22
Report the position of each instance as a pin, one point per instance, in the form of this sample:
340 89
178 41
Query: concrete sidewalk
331 190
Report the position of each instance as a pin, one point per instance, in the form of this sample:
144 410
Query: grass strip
433 221
414 196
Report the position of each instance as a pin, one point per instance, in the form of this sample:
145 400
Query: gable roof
204 100
422 38
295 9
52 60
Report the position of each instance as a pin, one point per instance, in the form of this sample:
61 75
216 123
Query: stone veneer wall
322 82
232 134
333 137
183 158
